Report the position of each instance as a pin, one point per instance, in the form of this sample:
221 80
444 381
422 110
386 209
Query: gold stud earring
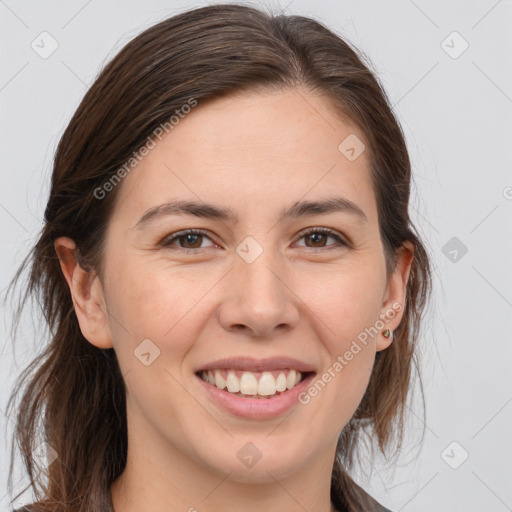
386 333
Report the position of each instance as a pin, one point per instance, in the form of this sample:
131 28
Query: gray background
456 111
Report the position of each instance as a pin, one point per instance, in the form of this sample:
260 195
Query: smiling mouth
266 384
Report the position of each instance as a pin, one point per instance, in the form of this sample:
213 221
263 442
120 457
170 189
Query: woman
229 273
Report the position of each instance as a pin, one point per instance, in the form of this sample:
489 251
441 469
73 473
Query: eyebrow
210 211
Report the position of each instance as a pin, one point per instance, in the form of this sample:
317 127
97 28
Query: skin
240 152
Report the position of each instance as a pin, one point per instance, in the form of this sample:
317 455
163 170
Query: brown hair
77 389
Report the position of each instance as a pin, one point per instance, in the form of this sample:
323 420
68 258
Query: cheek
347 302
155 326
348 309
159 304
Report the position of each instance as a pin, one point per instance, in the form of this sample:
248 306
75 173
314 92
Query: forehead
256 151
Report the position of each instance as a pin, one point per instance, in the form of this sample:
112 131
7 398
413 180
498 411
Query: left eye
194 237
322 233
191 236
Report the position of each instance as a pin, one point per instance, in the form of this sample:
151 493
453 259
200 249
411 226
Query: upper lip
258 365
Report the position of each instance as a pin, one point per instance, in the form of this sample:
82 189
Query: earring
386 333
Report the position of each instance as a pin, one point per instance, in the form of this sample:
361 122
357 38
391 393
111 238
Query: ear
86 293
395 294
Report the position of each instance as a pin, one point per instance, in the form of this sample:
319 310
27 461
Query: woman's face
251 288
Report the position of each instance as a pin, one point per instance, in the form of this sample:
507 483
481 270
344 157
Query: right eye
189 236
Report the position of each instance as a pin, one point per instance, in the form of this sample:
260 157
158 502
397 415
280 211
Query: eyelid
341 239
178 234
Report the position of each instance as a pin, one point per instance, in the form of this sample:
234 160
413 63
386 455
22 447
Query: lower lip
256 408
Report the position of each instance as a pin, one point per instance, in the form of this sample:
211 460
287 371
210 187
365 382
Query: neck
161 478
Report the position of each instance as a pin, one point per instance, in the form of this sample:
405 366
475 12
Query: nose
258 298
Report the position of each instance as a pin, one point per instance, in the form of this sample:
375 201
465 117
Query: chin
257 461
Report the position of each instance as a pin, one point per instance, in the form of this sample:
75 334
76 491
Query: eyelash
167 241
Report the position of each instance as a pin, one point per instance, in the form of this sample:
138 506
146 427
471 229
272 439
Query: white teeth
219 381
248 383
281 382
290 380
266 385
233 383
